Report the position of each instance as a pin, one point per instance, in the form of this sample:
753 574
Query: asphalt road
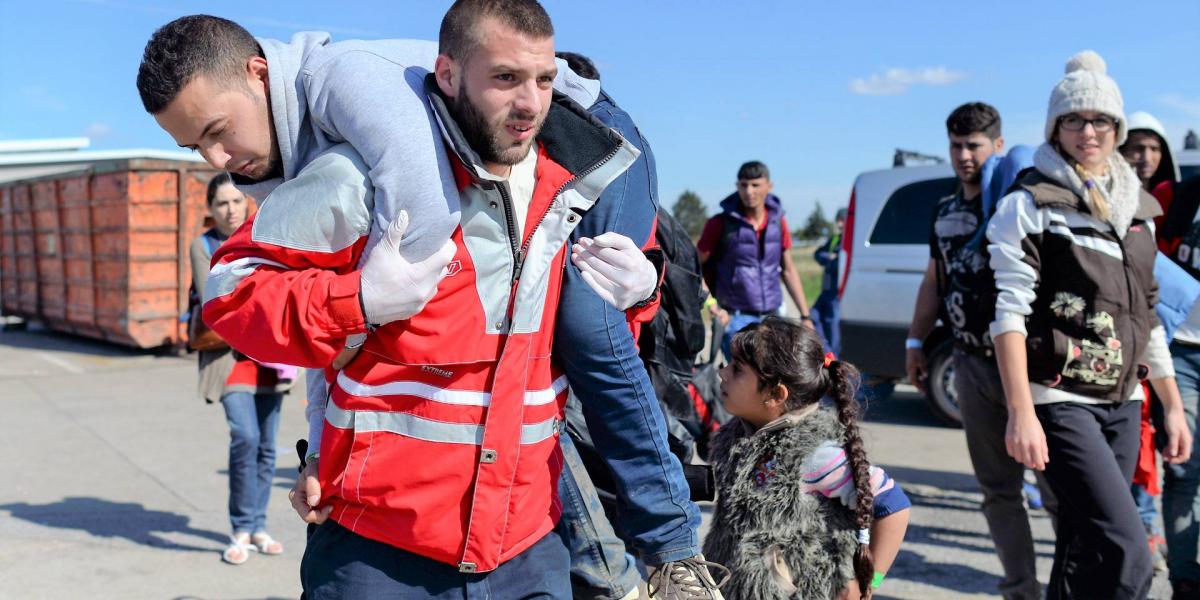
114 485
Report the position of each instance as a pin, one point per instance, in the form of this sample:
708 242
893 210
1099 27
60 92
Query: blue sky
818 91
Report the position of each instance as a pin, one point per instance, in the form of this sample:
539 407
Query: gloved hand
394 289
615 268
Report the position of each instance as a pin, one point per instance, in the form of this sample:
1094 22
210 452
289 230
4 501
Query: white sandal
263 543
239 550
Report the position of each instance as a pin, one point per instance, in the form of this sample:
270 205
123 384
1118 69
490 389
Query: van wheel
942 395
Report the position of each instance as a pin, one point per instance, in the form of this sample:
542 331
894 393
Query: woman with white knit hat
1073 252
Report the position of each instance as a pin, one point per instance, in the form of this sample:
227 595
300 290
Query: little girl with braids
800 512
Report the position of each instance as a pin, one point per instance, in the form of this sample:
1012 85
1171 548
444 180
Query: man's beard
274 170
483 137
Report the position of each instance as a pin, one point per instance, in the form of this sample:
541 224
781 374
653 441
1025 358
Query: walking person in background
1149 153
1073 252
826 311
959 284
744 252
1178 238
800 512
250 393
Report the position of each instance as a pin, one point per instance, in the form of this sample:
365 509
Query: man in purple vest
744 251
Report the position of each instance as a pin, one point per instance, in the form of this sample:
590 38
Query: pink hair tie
829 358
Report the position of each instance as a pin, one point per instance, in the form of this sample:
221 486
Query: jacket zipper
524 249
1129 293
512 228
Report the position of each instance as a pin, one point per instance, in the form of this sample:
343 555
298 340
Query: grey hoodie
371 95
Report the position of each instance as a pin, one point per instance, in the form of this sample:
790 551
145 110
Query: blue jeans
339 564
1181 483
253 421
596 349
1146 509
601 569
826 314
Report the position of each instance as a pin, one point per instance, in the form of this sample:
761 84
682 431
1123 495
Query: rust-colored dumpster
102 250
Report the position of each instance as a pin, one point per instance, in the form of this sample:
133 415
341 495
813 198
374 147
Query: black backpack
678 328
675 337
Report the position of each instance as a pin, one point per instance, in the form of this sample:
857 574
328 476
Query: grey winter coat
778 540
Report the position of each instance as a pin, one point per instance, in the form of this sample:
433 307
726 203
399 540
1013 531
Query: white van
885 250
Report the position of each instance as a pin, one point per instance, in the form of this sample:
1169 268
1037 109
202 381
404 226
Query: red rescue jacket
441 436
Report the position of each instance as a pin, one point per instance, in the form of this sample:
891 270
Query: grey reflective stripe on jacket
443 395
410 425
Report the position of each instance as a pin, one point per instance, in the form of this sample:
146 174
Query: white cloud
1187 106
97 131
893 82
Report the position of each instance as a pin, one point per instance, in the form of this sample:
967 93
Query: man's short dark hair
753 170
458 37
974 117
187 47
580 64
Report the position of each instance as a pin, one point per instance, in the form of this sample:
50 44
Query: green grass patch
810 272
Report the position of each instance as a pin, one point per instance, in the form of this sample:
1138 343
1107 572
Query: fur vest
778 541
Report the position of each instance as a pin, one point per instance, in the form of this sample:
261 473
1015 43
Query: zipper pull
520 265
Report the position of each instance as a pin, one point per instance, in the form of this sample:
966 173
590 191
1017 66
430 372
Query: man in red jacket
437 454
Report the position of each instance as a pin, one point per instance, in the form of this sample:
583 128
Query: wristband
913 344
711 302
355 341
877 580
807 317
311 457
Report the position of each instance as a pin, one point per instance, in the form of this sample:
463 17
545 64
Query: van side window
908 214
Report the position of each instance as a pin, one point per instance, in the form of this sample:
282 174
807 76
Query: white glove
615 268
394 289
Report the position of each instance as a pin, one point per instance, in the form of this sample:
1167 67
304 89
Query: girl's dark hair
785 352
215 184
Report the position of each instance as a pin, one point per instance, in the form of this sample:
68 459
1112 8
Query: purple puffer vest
748 271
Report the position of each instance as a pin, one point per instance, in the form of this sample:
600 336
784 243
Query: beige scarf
1115 203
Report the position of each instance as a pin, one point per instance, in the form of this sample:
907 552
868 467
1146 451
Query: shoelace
690 577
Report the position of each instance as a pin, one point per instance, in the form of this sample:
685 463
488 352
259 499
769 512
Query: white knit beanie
1086 87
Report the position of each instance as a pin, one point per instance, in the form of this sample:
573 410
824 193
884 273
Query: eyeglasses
1074 122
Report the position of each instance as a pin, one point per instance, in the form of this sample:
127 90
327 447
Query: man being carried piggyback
525 166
